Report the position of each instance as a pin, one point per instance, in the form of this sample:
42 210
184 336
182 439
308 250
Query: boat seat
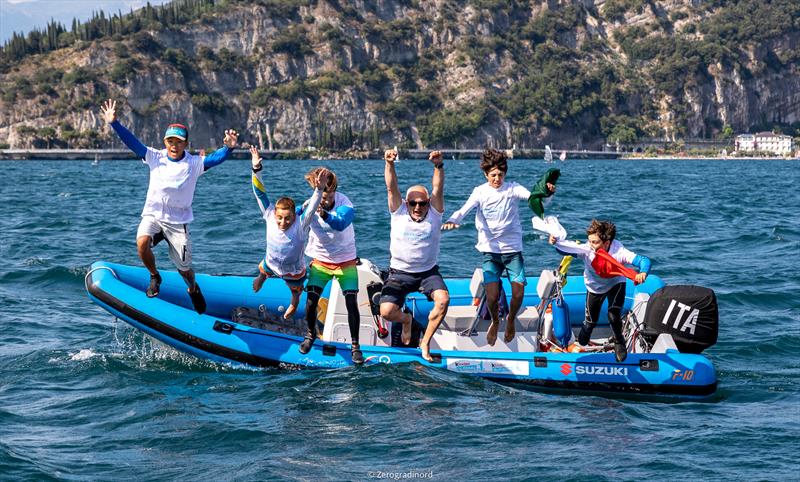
528 317
464 318
459 318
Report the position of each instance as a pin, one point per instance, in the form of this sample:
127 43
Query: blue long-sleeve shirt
215 158
338 219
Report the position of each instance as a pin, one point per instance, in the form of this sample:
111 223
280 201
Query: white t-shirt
172 183
594 282
284 255
497 217
329 245
414 246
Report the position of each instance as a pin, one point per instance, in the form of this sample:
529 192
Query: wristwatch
258 168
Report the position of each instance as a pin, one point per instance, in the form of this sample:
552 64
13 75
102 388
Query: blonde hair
311 179
285 203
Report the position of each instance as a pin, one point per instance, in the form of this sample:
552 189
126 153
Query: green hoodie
539 191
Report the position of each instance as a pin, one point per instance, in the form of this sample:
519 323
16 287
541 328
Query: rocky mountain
416 73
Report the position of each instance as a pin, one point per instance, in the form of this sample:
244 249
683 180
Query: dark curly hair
492 158
605 230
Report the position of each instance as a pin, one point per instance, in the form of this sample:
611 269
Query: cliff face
420 73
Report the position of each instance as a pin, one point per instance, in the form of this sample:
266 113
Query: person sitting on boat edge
499 237
414 248
604 277
285 245
332 249
168 208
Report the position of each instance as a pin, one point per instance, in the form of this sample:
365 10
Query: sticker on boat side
498 367
567 369
378 359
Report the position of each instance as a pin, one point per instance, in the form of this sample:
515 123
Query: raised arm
258 186
543 190
218 157
437 193
313 203
390 176
109 113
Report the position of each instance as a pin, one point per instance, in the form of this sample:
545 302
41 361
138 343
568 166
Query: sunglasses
421 204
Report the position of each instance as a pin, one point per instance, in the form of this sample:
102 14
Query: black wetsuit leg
616 298
594 302
312 300
353 316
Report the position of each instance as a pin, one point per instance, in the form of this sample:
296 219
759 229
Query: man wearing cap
168 209
414 247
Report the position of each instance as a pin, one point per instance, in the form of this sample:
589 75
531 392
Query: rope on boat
86 278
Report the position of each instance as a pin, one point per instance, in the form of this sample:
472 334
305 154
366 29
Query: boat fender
561 327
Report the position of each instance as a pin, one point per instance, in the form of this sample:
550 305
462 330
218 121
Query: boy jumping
603 281
168 209
499 237
286 238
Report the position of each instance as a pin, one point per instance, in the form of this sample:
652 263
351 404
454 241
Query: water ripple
83 396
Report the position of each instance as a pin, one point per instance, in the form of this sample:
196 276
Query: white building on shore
778 144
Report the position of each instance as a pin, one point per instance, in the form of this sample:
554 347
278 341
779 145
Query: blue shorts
495 263
400 283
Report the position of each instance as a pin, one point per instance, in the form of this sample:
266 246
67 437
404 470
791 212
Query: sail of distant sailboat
548 154
563 156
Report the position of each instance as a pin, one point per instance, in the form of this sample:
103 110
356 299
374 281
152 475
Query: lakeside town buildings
778 144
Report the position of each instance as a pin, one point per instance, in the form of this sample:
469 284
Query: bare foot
287 315
426 351
405 336
258 282
511 331
491 335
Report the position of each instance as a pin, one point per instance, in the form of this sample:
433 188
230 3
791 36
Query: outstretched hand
255 157
390 155
640 277
322 179
231 136
109 111
449 226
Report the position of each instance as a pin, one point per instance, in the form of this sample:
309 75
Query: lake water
85 397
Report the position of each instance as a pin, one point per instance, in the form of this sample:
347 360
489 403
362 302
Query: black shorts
400 283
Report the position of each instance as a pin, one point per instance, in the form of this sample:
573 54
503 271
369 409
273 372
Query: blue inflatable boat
243 327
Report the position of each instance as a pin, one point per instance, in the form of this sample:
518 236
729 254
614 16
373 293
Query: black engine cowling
689 313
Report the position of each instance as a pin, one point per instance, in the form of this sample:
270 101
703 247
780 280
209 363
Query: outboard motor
689 313
374 289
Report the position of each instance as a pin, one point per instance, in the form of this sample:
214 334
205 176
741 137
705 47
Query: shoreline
288 154
705 158
310 154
